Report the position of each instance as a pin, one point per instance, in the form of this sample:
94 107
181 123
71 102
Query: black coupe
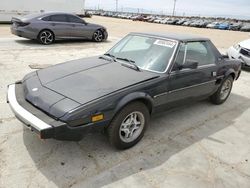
119 91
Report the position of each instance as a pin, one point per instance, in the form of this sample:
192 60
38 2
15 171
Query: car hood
245 44
86 80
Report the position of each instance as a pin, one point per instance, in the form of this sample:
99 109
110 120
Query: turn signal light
98 117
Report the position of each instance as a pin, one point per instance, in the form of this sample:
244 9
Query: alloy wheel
225 89
46 37
98 36
132 127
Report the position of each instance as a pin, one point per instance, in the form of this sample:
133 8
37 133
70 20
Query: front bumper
39 122
105 32
235 54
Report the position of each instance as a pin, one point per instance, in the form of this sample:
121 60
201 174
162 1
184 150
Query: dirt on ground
120 27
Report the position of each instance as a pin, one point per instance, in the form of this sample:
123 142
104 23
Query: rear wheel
98 36
221 95
46 37
128 126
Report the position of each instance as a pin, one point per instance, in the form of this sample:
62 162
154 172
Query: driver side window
199 52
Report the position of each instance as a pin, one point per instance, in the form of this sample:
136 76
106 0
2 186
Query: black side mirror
189 65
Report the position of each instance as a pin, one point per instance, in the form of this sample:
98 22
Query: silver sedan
48 27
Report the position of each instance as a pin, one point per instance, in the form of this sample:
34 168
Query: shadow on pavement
33 43
92 162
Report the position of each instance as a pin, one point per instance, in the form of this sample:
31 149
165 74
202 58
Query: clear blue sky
235 8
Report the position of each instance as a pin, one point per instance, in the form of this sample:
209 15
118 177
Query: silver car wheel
225 89
98 36
132 127
46 37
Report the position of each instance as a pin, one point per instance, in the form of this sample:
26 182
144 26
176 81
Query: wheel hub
132 127
46 37
225 89
98 36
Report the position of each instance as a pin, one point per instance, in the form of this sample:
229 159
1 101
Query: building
10 8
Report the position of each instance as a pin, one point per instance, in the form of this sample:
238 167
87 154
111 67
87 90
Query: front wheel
223 92
129 125
98 36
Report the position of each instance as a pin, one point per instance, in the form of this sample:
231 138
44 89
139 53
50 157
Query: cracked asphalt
199 145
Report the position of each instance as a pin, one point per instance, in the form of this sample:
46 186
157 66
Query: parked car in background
147 18
88 14
181 21
48 27
203 23
172 21
224 26
235 26
187 23
164 20
245 27
241 51
214 25
120 90
195 23
151 20
200 22
139 18
158 20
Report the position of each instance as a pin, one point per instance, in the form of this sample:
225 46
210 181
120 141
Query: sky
230 8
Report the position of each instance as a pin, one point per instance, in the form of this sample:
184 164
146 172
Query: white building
10 8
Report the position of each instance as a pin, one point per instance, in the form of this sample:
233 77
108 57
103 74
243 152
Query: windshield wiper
112 56
105 58
131 62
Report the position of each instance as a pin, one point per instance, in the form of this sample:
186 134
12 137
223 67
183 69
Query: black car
118 91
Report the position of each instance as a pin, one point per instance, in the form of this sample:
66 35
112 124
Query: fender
232 72
135 96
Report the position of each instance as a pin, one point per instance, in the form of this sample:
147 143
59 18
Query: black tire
46 37
218 97
116 135
98 36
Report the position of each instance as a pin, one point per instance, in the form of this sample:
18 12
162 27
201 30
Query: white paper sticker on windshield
165 43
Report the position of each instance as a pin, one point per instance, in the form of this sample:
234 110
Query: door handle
53 24
214 74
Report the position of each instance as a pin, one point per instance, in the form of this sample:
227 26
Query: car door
78 27
190 83
59 25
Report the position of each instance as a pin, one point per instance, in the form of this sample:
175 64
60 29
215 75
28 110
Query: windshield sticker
165 43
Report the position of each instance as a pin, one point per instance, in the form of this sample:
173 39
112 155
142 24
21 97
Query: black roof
175 36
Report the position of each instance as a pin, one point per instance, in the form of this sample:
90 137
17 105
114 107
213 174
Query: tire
46 37
128 126
223 92
98 36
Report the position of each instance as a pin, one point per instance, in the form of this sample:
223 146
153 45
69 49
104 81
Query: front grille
245 52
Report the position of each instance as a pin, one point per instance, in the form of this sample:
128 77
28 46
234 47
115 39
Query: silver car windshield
147 53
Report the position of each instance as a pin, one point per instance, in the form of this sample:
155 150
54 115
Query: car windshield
147 53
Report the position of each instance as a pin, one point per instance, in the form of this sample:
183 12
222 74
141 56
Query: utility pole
174 8
116 2
99 5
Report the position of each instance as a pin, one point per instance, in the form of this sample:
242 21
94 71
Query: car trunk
18 22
